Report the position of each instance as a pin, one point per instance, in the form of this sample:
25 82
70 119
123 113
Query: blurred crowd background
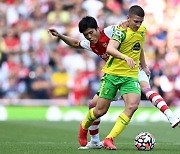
36 65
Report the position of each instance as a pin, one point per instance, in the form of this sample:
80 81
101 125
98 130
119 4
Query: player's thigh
143 79
131 99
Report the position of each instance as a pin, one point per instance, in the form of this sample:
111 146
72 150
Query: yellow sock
87 122
119 126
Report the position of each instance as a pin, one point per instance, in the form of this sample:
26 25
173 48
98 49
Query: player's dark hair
87 22
136 10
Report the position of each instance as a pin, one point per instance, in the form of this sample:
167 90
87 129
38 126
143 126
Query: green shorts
110 85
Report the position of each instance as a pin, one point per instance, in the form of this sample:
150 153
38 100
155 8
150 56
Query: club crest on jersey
104 45
104 56
142 34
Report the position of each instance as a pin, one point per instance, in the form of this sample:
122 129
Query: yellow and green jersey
131 44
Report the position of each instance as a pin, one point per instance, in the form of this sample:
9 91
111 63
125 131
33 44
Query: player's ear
128 18
97 29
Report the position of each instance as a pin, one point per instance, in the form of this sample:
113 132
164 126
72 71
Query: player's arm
68 40
112 50
117 37
143 63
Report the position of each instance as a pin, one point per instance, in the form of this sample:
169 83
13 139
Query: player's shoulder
120 28
120 31
109 30
143 27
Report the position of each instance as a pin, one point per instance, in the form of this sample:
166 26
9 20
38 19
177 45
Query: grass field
42 137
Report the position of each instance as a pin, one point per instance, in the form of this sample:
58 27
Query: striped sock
94 128
159 102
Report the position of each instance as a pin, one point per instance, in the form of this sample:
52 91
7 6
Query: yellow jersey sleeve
118 34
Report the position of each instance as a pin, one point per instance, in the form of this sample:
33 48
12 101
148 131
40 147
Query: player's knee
100 112
133 107
91 104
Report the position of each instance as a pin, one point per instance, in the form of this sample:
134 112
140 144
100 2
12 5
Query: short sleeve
118 35
85 44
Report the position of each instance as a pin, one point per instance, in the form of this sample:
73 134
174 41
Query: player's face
135 22
92 35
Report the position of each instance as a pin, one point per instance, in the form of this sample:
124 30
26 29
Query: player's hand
130 62
53 32
147 71
124 24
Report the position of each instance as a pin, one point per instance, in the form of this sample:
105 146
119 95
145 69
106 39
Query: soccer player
96 41
121 73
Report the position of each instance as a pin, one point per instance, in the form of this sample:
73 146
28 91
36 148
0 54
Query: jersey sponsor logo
136 47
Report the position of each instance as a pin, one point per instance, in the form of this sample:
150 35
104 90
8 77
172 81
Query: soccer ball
144 141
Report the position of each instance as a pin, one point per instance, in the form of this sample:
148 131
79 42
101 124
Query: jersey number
137 84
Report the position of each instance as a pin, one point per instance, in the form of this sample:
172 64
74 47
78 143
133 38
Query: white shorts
142 76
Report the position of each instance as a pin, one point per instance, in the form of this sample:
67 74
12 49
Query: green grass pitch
42 137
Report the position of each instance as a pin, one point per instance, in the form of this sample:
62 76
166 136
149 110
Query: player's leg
156 99
99 110
94 128
95 142
131 96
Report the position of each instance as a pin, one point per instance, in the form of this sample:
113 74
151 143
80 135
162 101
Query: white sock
171 117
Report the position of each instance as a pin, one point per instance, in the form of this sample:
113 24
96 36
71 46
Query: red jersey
100 47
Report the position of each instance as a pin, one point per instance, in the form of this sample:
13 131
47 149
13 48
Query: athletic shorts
110 84
117 97
142 76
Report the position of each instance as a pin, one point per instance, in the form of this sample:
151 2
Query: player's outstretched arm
112 50
68 40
